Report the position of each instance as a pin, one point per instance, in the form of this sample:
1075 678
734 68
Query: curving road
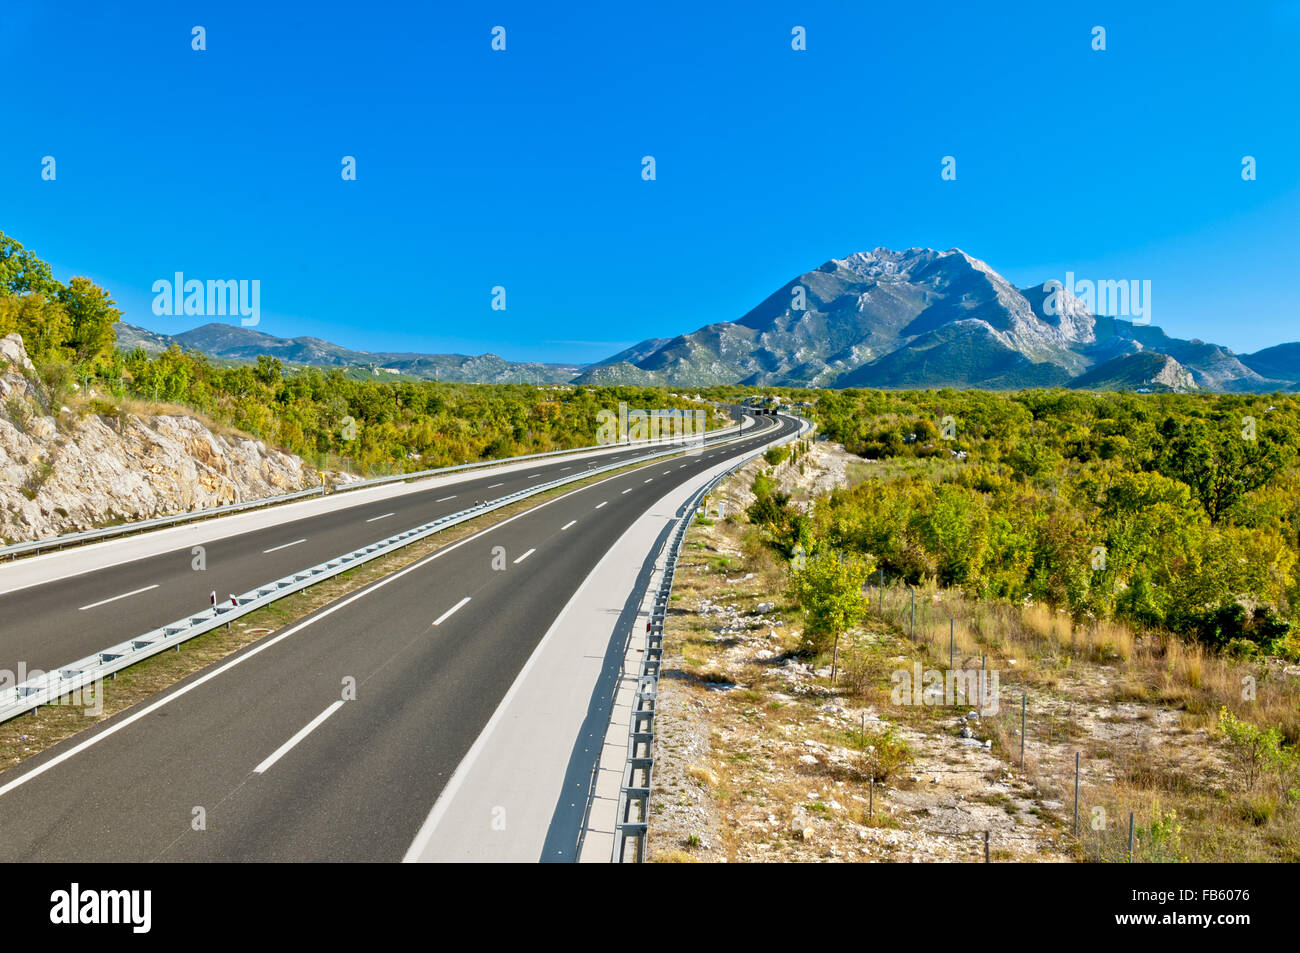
265 749
69 617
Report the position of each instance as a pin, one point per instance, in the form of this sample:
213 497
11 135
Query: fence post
1130 837
912 633
952 643
986 847
1024 702
1076 792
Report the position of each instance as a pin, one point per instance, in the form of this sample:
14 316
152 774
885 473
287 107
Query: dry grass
805 770
1161 754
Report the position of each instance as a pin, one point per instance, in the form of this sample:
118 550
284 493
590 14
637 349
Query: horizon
522 169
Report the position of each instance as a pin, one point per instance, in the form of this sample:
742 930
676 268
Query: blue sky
523 168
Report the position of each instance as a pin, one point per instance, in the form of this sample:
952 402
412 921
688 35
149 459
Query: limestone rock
60 473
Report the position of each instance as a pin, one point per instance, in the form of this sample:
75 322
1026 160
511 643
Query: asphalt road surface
266 756
69 618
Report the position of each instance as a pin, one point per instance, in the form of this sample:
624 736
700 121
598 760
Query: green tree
43 324
1219 464
21 272
829 589
91 315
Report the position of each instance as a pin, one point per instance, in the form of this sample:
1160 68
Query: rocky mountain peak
920 317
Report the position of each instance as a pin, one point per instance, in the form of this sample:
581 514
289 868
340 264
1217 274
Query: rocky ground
62 471
759 758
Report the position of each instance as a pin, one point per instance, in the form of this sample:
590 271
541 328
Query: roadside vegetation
1168 513
786 736
324 416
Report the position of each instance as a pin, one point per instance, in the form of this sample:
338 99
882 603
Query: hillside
64 469
1145 372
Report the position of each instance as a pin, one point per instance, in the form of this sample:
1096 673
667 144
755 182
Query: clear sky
523 168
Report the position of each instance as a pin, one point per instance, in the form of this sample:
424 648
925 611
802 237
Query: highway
69 617
266 749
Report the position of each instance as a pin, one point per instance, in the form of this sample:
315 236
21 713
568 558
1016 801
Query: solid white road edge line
449 791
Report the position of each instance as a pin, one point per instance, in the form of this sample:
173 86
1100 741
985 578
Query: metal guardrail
110 532
68 680
421 474
90 535
633 818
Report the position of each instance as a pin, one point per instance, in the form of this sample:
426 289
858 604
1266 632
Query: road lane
42 628
359 785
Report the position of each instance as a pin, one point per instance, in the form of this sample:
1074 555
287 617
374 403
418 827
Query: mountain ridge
922 318
916 318
233 342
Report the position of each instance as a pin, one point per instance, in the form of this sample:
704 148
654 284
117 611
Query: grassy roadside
34 732
1198 746
759 756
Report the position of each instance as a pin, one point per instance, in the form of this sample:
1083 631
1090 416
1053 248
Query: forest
1163 511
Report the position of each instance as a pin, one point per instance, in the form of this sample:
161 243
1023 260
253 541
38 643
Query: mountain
230 342
1146 371
129 337
1281 362
927 318
918 318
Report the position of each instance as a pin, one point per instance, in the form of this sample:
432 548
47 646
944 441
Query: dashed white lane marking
446 498
446 615
285 545
601 503
384 517
522 558
102 602
567 525
285 748
115 726
628 490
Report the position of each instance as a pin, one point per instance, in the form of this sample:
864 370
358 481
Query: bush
1254 752
19 412
57 377
1232 627
886 754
